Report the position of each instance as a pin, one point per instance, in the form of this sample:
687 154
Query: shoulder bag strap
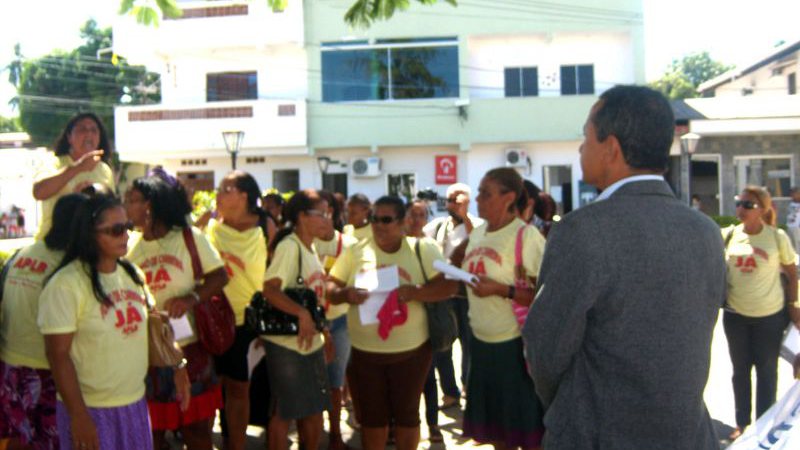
300 280
188 238
4 273
419 258
519 268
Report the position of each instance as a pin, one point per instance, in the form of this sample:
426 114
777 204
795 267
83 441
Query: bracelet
181 364
195 296
512 292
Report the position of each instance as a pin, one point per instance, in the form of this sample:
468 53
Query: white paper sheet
254 354
454 273
791 344
181 327
379 283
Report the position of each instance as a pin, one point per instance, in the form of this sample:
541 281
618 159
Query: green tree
9 125
684 76
89 78
361 13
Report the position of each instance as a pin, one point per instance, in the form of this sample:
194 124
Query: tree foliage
362 13
54 87
684 76
9 125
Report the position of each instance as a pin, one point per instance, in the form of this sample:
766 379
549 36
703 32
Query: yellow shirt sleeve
785 248
209 257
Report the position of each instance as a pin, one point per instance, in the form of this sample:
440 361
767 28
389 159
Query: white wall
17 170
611 53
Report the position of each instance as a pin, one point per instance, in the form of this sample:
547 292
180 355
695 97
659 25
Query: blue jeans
444 360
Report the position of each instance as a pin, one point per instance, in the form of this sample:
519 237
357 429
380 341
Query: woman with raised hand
83 154
296 364
158 207
93 314
391 353
27 390
238 233
755 317
329 247
502 406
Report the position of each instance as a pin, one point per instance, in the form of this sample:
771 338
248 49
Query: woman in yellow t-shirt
755 317
391 354
296 364
27 390
238 233
358 212
502 406
83 154
158 206
93 314
329 248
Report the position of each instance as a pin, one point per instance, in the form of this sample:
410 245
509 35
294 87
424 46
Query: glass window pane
586 79
286 180
425 72
772 173
512 82
568 81
349 75
530 81
231 86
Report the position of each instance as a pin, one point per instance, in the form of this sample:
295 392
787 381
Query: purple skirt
121 428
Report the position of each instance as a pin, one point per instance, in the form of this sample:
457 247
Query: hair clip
159 172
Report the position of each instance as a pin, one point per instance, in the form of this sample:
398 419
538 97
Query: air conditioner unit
365 166
516 158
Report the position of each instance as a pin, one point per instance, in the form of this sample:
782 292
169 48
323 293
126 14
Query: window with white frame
403 185
390 69
772 172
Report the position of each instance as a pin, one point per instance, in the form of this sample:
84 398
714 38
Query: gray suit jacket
619 336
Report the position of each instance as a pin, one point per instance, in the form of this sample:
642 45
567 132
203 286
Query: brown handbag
161 347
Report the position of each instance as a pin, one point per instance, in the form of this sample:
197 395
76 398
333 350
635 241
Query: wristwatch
512 291
181 364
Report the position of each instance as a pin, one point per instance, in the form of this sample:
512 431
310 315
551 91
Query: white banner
776 429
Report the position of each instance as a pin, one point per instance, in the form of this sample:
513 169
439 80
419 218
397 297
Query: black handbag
442 322
262 318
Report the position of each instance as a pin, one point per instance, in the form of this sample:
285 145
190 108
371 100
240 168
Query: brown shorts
388 385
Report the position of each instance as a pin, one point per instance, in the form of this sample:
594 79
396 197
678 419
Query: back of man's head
642 121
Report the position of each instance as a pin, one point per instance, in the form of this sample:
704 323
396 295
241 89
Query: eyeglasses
746 204
225 189
386 220
318 213
116 229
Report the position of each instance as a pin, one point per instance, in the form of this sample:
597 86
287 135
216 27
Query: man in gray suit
618 337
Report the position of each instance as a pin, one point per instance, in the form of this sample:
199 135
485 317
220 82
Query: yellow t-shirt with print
167 266
492 254
245 257
284 267
109 346
328 252
754 285
366 255
21 343
362 233
100 174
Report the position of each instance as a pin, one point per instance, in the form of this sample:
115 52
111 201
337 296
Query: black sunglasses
386 220
746 204
116 230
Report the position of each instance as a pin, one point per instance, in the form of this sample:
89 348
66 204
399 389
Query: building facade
435 95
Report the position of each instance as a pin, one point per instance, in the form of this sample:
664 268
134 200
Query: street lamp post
689 143
233 142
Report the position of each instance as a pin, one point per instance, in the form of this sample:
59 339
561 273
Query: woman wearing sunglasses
27 390
158 207
296 364
755 314
238 233
93 315
391 355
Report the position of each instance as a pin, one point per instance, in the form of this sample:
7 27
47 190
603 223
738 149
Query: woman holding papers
388 324
329 248
238 233
755 314
296 364
158 207
504 254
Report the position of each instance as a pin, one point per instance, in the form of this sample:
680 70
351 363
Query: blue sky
733 31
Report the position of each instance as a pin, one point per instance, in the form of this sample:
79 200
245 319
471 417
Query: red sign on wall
446 169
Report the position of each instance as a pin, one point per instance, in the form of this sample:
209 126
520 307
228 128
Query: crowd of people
591 332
